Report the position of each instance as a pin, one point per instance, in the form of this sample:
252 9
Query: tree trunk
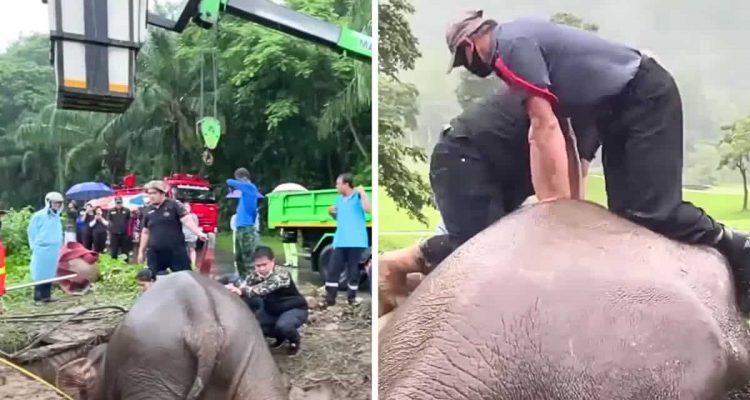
743 171
356 138
60 170
176 150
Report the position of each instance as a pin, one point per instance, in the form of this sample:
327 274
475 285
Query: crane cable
35 377
207 156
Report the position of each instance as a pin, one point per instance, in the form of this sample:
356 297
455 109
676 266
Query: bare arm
144 241
574 161
549 164
584 173
190 224
365 200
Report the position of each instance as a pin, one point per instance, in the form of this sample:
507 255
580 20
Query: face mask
478 67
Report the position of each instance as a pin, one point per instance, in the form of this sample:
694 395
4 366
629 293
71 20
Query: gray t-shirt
576 70
189 235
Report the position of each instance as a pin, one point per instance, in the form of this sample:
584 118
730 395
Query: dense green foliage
291 111
14 230
397 110
735 151
116 277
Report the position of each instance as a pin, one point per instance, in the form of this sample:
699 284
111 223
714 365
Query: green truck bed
305 209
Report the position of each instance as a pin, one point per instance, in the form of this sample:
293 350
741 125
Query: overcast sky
30 16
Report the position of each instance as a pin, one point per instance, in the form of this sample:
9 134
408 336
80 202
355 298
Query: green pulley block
208 13
207 157
210 129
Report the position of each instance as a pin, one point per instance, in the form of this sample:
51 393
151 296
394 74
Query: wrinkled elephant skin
187 337
562 301
48 367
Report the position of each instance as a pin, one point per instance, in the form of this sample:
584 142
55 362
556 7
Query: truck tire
324 260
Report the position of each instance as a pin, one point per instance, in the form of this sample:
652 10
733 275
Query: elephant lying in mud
186 337
565 300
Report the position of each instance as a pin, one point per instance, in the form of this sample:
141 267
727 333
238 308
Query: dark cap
458 31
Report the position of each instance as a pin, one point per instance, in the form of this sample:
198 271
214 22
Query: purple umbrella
235 194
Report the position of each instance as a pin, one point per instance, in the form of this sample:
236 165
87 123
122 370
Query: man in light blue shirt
246 239
350 240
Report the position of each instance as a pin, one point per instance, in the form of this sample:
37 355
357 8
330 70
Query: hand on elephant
233 289
392 287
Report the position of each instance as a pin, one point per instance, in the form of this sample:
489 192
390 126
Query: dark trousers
642 157
284 325
476 181
88 239
119 243
343 259
43 292
99 241
254 302
175 259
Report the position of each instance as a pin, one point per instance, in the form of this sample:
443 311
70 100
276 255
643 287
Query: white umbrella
289 187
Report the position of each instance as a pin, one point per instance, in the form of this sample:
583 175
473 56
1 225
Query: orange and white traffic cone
2 269
208 257
2 278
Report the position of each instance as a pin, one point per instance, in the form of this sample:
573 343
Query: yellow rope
32 376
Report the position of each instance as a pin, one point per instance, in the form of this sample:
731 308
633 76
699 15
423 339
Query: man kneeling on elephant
270 292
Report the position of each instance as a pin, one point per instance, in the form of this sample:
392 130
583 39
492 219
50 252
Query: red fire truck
187 188
196 191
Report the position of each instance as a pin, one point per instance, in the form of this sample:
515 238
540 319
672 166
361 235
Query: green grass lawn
724 203
224 243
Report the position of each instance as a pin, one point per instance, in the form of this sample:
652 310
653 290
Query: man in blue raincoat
46 240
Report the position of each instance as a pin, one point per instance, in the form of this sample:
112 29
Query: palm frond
356 97
79 152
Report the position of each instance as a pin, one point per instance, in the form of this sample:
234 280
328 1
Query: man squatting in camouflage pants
246 237
270 292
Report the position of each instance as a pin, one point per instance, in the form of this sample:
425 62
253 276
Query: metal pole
24 285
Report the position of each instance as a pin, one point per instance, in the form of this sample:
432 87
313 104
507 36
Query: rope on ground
35 377
57 326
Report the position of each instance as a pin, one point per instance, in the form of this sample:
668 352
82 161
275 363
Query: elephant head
81 378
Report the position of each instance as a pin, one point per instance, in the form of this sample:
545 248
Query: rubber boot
331 293
736 248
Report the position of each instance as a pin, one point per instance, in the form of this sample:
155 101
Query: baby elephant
564 300
185 338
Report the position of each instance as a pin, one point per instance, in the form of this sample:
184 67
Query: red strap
516 80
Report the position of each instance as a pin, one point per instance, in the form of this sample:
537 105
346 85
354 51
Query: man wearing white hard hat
45 239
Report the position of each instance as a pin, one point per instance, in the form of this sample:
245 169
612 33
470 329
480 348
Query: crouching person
271 293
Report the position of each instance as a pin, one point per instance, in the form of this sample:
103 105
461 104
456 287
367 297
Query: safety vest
2 269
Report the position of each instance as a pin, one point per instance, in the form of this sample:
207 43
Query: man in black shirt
162 231
479 172
284 309
119 218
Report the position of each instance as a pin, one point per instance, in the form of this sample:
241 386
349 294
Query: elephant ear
77 378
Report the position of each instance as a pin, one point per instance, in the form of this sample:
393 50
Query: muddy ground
334 361
14 385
